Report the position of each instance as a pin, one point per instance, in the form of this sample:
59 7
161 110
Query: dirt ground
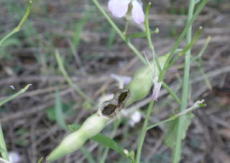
28 122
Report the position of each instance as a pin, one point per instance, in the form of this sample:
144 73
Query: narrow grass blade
68 79
19 26
59 112
3 148
2 102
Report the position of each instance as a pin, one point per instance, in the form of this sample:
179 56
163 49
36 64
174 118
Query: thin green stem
181 37
171 92
186 88
143 132
19 26
200 63
119 32
149 37
2 102
197 105
68 79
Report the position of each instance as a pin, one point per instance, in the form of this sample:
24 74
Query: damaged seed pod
109 108
122 96
142 81
91 127
113 107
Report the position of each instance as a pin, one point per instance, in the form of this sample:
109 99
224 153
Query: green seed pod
142 81
92 126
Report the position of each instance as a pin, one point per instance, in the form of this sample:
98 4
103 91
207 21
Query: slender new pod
91 126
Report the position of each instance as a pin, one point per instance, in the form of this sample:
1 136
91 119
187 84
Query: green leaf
105 141
172 126
110 143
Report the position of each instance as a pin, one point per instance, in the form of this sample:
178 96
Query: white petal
14 157
156 90
122 80
118 7
137 12
135 118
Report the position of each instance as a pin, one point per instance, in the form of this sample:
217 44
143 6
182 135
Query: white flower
119 8
135 118
14 157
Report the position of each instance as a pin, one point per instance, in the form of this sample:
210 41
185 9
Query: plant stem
119 32
143 132
171 92
186 87
181 37
197 105
149 37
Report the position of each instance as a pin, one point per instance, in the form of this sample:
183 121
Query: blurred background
91 51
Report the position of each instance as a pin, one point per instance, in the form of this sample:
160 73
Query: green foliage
172 127
110 143
65 109
21 139
11 42
3 149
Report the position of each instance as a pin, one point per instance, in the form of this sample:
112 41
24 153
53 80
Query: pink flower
119 8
